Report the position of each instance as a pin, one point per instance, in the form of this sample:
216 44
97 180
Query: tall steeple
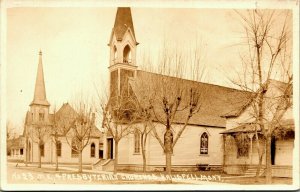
123 22
122 52
40 90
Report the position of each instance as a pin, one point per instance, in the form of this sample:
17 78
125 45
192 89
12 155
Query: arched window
137 142
42 149
204 144
93 150
58 148
127 54
115 53
75 152
41 115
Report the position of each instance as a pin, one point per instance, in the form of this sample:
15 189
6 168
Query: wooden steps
104 165
251 172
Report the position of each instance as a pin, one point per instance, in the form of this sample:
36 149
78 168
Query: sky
76 55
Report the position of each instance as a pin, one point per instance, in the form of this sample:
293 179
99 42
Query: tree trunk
261 113
56 158
116 156
80 161
168 140
144 160
40 157
260 156
143 152
168 163
268 160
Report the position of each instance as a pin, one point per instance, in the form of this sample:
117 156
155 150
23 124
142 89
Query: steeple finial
40 90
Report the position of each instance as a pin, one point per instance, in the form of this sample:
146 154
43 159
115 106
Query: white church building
202 142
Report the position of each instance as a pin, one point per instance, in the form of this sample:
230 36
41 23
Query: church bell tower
122 52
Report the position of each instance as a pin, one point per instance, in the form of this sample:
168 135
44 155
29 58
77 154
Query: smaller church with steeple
41 126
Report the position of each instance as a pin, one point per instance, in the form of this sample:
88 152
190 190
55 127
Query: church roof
244 128
273 84
66 115
39 97
63 118
215 100
123 21
287 124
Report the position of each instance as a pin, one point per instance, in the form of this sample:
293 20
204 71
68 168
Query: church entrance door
110 148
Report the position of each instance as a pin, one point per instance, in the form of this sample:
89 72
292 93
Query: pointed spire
40 90
123 21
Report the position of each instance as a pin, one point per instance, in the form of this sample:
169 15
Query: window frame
42 149
58 149
204 147
137 142
93 153
41 116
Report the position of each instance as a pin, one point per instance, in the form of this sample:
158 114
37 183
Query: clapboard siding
186 151
284 152
66 157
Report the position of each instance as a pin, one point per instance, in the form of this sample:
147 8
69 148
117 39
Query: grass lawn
198 173
47 175
233 179
68 174
261 181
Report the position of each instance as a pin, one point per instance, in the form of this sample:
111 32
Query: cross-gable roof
62 119
280 86
287 124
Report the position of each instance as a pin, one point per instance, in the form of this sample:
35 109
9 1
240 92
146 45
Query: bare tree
119 116
9 135
58 129
173 102
39 132
268 57
144 132
145 117
80 130
10 130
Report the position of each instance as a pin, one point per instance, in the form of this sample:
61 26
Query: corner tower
39 107
123 46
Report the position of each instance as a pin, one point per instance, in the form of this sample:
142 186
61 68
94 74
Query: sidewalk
195 181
